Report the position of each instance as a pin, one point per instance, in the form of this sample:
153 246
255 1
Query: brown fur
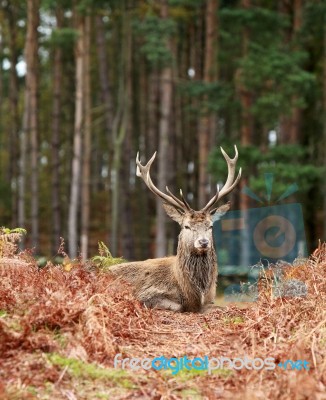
185 282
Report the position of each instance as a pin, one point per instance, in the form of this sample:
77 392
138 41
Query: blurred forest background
85 84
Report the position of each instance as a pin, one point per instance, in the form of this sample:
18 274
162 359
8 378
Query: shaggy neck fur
195 275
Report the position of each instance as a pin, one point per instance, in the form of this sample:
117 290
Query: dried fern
9 239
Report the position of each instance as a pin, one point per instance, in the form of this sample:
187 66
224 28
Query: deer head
196 226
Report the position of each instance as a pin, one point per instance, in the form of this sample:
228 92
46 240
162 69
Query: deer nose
203 242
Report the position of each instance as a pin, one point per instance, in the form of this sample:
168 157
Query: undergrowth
60 329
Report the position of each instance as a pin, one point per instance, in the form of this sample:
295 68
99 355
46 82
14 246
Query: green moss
15 326
191 394
234 320
186 375
61 339
81 369
32 390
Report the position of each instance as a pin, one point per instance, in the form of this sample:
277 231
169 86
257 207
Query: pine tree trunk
1 90
125 195
77 145
55 142
11 16
324 123
120 125
245 95
246 137
22 161
163 160
290 124
103 69
296 112
31 56
85 195
147 138
152 111
206 123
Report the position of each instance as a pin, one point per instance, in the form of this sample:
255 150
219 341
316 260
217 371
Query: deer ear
220 211
173 213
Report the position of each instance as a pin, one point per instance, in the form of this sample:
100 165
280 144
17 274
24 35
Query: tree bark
103 69
55 142
290 124
166 86
77 145
245 95
31 56
22 164
206 122
125 195
120 125
1 85
10 12
85 195
324 122
246 136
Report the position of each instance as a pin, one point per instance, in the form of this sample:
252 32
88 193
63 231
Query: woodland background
85 84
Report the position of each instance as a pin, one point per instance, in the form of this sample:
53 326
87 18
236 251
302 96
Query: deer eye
187 227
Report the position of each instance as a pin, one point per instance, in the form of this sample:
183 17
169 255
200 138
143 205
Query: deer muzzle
202 244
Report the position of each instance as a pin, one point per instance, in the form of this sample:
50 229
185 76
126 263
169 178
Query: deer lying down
187 281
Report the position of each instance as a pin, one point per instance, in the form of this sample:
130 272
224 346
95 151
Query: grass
60 329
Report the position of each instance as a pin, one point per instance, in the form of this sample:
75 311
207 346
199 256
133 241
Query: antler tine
229 184
185 201
141 168
213 199
174 197
143 171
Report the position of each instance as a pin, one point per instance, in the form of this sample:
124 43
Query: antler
229 184
143 172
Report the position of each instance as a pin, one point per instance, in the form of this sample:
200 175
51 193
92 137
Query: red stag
187 281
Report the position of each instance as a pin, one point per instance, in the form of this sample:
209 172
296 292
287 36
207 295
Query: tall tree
166 90
86 161
32 85
207 121
77 143
290 124
103 69
324 117
55 141
1 73
244 91
11 16
120 124
246 128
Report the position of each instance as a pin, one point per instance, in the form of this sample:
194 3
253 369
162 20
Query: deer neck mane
196 269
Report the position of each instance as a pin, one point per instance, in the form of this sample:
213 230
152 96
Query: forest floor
62 326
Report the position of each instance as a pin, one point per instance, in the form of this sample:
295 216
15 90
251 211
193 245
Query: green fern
7 231
105 259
